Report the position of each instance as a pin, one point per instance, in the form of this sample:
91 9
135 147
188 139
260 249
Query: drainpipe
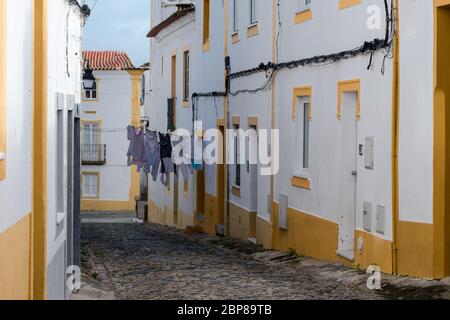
275 22
395 142
226 115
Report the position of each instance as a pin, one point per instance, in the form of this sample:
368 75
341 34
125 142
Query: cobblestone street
149 262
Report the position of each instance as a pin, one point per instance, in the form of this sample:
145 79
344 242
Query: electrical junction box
367 216
369 160
381 220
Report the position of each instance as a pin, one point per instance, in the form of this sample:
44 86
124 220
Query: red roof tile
107 60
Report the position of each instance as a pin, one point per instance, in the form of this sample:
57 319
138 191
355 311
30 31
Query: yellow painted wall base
263 233
212 217
155 214
242 223
104 205
165 217
184 220
307 235
15 261
415 249
375 251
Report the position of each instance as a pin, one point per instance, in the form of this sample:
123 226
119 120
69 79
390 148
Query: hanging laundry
167 166
186 169
183 160
153 154
197 164
136 151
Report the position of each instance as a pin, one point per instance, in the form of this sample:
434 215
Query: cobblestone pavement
141 261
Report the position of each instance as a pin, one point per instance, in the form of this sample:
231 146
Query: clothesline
152 153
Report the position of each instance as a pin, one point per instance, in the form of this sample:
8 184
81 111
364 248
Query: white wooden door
348 176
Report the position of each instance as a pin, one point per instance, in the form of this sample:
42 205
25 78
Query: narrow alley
126 260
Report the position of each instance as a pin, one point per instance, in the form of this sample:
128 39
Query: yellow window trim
100 128
206 25
252 30
236 191
303 16
301 183
299 92
186 189
3 102
349 86
96 173
253 121
221 122
90 112
235 37
206 46
345 4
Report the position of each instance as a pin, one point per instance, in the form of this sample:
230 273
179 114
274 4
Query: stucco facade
104 121
38 107
371 188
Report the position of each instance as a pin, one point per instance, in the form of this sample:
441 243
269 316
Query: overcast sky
119 25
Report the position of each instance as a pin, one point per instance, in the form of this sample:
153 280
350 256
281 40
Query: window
186 75
306 107
90 149
235 16
304 12
237 176
173 77
303 5
253 10
345 4
92 93
90 185
303 134
206 24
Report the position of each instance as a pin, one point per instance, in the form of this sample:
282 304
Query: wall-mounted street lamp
88 79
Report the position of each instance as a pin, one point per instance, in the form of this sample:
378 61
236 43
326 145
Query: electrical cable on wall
368 47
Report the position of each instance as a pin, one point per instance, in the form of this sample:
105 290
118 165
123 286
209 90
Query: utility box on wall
369 159
282 218
367 216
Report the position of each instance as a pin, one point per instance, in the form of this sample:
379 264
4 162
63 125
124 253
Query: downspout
275 4
226 114
395 142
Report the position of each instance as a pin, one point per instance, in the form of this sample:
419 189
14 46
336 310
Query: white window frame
303 5
90 187
235 16
91 91
90 149
253 12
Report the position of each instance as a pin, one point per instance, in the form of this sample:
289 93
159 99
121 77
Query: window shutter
171 114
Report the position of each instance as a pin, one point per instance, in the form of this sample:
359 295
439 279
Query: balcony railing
93 154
